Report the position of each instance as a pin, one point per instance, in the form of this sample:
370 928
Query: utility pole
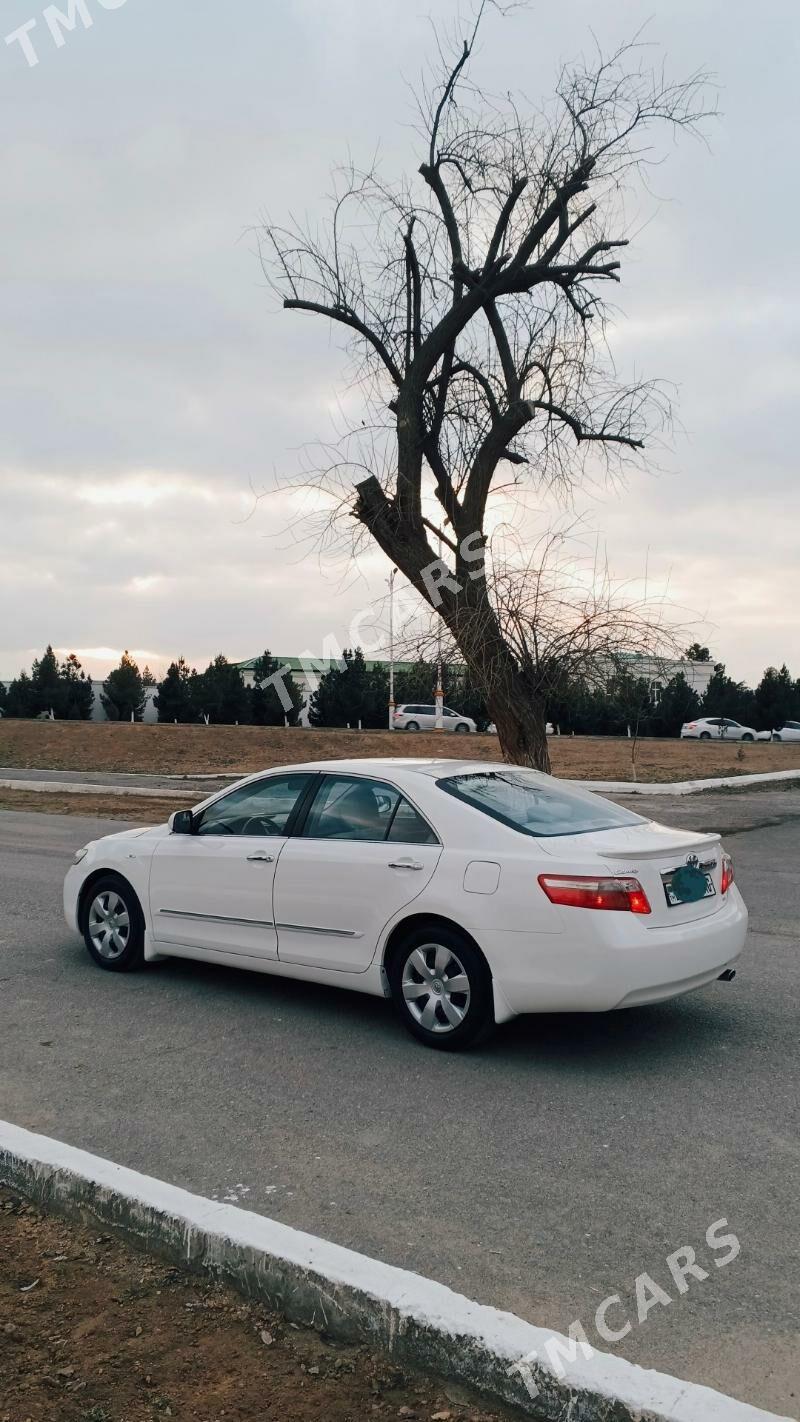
391 648
439 689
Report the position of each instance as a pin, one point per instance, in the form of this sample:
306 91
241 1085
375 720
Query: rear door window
351 807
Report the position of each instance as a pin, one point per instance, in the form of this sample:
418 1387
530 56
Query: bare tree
471 299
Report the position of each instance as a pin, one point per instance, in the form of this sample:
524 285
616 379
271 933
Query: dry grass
192 750
134 809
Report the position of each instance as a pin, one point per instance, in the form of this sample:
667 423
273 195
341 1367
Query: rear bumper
623 964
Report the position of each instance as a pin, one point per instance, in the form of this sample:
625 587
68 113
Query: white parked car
789 731
467 892
420 717
713 728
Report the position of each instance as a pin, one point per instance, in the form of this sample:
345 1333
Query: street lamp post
439 689
391 648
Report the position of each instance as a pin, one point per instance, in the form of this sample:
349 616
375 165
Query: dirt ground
192 750
137 809
92 1332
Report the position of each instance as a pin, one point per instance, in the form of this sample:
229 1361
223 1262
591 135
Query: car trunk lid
652 853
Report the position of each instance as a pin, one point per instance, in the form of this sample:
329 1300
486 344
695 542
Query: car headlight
81 854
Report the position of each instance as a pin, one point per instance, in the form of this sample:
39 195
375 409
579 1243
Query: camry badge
693 861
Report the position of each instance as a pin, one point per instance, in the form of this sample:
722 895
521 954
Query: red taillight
727 873
583 891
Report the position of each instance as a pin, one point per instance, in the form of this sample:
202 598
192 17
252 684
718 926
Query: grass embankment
238 750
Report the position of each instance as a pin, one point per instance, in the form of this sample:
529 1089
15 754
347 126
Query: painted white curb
607 787
685 787
71 787
350 1295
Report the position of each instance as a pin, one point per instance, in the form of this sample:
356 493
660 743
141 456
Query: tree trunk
515 706
521 727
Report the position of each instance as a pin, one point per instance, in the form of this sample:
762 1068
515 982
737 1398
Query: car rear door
363 853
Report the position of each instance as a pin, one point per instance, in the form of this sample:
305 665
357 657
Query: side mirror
182 822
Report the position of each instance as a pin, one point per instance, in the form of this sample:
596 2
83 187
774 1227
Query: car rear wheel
441 987
705 735
412 725
113 925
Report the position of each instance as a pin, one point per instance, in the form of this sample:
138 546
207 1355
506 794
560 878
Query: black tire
412 725
476 1004
462 727
103 895
705 735
776 735
748 738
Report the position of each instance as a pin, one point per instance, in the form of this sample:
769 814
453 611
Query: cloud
155 383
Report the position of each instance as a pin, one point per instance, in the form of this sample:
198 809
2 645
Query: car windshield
524 801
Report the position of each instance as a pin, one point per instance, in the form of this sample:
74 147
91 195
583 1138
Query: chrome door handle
261 858
405 864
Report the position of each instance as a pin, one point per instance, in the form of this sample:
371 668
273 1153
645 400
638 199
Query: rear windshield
526 802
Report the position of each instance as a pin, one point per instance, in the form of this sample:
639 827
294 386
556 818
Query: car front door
731 730
212 890
363 853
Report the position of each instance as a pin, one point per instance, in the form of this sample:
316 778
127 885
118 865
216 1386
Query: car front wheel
748 738
776 735
462 727
113 925
441 987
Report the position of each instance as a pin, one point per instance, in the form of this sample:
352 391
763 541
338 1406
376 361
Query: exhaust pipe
728 976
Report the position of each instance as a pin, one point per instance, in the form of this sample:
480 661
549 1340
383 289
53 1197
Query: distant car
466 891
715 728
423 718
789 731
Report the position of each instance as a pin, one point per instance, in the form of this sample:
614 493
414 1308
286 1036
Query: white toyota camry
466 891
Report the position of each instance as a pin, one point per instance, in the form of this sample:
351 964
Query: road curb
70 787
350 1296
607 787
685 787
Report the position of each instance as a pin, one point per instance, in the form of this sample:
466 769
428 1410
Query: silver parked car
423 718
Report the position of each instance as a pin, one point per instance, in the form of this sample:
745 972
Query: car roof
431 766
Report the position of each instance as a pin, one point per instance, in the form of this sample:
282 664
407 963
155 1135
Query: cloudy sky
150 382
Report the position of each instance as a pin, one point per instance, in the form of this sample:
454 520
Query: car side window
260 808
714 721
731 723
352 808
408 827
346 807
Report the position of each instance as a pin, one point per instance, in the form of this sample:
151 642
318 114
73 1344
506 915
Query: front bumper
73 882
622 963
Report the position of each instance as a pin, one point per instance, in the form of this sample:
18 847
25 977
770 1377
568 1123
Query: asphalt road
541 1173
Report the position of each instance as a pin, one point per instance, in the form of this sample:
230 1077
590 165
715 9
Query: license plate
687 885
